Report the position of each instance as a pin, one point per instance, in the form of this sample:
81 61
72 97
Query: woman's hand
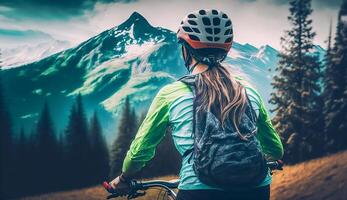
120 186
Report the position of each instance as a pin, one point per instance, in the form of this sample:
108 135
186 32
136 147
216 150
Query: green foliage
335 90
167 160
77 146
6 147
297 88
99 166
125 134
49 163
46 155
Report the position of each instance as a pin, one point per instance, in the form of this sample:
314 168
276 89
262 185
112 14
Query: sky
257 22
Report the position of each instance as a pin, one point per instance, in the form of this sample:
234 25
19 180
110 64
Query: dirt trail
323 178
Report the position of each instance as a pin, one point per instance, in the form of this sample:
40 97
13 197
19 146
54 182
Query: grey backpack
220 157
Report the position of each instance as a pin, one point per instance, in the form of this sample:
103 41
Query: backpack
220 157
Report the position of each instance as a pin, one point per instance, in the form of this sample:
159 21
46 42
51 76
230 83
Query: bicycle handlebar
136 186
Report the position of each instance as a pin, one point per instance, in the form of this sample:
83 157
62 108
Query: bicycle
138 188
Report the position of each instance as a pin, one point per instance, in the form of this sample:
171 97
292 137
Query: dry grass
324 178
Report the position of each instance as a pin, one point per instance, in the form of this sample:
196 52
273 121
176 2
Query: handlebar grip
108 187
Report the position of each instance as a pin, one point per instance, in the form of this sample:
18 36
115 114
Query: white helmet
207 29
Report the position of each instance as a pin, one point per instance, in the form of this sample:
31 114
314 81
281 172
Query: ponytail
219 92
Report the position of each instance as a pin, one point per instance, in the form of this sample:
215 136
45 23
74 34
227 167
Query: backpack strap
189 80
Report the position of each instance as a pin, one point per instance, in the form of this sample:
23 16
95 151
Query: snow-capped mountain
133 59
24 54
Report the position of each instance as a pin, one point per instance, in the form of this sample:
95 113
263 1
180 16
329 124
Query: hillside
323 178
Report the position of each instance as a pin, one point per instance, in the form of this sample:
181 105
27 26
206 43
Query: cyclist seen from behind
219 123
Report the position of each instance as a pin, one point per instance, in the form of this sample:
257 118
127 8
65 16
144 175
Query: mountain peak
139 26
135 18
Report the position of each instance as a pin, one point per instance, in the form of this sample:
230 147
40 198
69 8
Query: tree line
311 95
43 160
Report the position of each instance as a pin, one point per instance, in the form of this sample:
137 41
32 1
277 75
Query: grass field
324 178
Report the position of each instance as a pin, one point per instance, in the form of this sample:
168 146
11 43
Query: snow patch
112 103
94 77
37 91
28 116
133 52
131 32
25 54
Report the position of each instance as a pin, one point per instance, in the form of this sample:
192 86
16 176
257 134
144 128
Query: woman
206 37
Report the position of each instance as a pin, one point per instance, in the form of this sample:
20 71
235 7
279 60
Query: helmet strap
193 67
188 58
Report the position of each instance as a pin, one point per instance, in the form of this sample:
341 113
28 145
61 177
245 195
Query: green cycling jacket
173 106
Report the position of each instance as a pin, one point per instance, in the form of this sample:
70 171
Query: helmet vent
191 22
216 21
191 16
227 32
187 29
196 30
206 21
216 39
225 16
209 38
193 37
228 40
215 12
216 30
202 12
208 30
228 23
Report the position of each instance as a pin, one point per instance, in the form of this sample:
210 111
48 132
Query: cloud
247 1
18 33
48 9
13 38
257 22
318 3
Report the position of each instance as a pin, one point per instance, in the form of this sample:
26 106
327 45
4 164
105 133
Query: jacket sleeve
149 135
267 135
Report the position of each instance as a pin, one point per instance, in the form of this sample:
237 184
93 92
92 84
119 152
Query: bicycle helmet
207 36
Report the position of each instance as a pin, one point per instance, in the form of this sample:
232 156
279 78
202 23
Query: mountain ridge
132 59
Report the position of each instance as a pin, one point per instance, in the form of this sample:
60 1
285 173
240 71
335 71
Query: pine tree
22 160
61 166
6 147
167 160
125 135
22 147
47 150
297 88
335 91
77 146
99 152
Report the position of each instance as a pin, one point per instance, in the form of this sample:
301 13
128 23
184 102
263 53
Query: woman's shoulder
176 86
174 90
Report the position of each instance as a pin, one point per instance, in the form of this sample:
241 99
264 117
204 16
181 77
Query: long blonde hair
220 93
